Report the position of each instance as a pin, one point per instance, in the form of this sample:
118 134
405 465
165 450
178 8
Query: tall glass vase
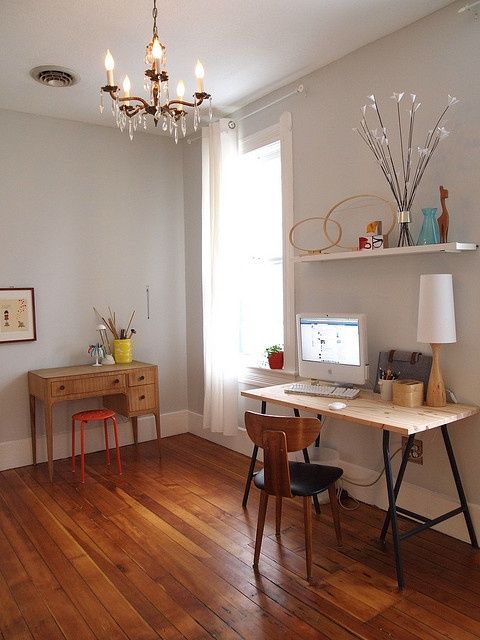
429 233
405 238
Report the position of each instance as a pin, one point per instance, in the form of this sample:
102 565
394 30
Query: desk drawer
141 376
85 386
142 398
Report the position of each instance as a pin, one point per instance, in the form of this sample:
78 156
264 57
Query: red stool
91 416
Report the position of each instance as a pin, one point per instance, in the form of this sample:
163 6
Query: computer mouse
336 406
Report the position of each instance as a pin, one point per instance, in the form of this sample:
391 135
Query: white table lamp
436 325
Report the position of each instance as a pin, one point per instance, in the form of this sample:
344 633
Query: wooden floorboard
166 550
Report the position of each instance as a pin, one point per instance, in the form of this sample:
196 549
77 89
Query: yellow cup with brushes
122 338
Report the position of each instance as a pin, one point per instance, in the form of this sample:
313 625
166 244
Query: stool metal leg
73 445
107 448
82 450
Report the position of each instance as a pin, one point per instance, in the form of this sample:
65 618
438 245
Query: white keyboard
322 390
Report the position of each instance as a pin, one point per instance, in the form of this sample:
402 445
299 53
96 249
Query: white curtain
219 277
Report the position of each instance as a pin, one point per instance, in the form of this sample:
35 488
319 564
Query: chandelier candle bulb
199 74
157 53
180 89
109 66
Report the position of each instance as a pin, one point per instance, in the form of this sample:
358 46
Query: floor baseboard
18 453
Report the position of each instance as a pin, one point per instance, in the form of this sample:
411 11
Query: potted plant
275 356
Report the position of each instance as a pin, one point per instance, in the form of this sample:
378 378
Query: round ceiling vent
53 76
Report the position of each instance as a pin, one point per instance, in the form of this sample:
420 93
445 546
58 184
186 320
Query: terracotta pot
275 360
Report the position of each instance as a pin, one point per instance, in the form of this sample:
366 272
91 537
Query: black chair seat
306 479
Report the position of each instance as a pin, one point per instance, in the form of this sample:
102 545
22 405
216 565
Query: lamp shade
436 309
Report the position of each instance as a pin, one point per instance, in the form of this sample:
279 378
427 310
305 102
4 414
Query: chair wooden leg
335 513
307 517
107 448
278 514
262 510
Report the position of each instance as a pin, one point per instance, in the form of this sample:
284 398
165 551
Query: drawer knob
142 397
62 387
116 381
141 378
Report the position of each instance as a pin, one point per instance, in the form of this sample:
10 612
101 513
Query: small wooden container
408 393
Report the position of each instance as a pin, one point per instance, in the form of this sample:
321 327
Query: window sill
262 377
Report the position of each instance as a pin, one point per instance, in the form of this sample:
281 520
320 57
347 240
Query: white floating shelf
448 247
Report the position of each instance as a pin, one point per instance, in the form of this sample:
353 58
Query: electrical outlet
416 452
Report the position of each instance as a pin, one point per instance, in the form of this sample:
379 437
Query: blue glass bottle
430 233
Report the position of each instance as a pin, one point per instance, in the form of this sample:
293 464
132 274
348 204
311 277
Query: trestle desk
368 410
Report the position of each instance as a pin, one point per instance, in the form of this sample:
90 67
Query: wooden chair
277 436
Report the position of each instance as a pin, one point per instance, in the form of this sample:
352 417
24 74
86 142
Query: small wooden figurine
443 219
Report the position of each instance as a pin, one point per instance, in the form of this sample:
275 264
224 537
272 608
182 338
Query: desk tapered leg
49 435
251 468
157 428
33 429
392 510
458 484
398 484
135 430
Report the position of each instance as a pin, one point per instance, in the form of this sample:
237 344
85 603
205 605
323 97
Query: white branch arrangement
404 178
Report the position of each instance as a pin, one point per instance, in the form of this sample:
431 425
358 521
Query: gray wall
433 57
192 188
89 218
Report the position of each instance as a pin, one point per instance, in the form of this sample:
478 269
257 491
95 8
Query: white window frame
282 131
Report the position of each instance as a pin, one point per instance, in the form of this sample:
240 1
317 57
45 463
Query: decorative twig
377 141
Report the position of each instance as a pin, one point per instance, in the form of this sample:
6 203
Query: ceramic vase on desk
123 351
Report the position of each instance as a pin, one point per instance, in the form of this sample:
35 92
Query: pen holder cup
123 351
408 393
386 389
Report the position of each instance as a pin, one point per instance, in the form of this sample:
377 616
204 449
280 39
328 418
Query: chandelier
130 112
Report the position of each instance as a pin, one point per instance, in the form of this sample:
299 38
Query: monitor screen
332 347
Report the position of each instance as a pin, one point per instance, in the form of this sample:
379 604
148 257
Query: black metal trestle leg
458 484
392 510
398 484
251 468
306 457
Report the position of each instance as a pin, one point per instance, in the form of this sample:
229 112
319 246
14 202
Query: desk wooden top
368 409
88 369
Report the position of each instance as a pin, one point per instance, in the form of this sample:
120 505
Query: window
266 296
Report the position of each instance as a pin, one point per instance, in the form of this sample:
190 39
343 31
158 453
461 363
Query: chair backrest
277 436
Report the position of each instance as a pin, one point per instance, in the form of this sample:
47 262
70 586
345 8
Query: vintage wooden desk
129 389
368 410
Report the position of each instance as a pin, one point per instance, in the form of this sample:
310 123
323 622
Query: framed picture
17 315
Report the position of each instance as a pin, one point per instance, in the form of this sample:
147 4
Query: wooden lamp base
436 396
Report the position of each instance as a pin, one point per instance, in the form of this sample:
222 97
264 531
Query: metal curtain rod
232 123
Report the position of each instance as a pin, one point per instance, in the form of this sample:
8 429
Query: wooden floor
166 552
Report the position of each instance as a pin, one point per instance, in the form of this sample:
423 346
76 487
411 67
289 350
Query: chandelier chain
154 15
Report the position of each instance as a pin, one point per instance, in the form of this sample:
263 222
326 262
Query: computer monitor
333 347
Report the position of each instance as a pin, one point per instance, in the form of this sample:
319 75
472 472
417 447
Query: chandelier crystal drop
172 113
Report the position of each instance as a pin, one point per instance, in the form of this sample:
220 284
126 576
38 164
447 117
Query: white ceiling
248 47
